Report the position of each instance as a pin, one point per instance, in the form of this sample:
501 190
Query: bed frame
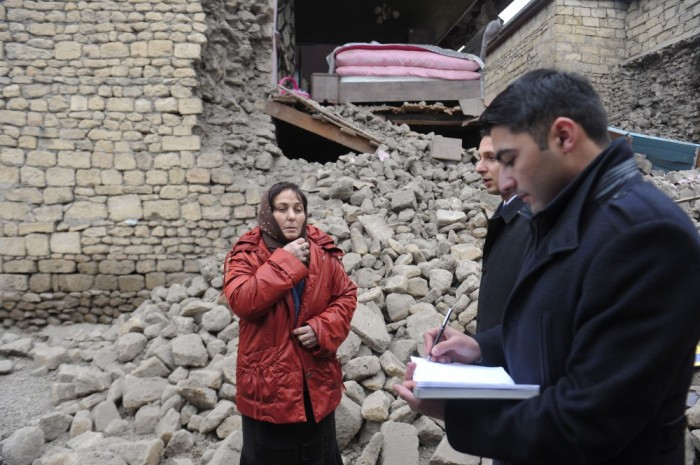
329 88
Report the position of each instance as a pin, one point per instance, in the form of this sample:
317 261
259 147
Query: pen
442 329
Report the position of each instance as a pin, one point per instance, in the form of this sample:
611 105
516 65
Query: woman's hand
453 346
306 336
299 248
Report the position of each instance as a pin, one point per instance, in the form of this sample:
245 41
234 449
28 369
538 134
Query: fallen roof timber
341 135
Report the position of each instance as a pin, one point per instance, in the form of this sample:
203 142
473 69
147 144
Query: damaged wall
640 55
106 190
133 143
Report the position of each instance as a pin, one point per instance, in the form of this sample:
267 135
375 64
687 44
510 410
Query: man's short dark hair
532 102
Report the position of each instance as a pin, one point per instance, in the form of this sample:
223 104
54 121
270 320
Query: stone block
13 211
190 106
9 175
117 267
155 279
161 209
124 207
57 195
165 161
85 213
57 266
156 177
114 50
176 143
74 282
160 48
74 159
216 213
65 242
244 211
41 158
67 50
12 246
198 176
13 282
173 192
37 244
56 176
188 51
124 161
192 212
39 282
169 266
19 266
131 283
14 118
106 282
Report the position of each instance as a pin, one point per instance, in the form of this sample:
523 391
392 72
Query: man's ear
564 134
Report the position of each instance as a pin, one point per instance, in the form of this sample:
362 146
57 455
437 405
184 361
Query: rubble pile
158 386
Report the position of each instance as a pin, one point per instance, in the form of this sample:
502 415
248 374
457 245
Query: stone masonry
104 191
133 141
617 45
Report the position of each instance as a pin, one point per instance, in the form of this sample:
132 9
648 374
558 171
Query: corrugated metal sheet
667 154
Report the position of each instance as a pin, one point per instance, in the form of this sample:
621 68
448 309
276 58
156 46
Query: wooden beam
309 123
402 91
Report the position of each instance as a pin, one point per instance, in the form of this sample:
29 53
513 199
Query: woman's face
288 211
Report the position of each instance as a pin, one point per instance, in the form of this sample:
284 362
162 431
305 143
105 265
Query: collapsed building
136 139
134 135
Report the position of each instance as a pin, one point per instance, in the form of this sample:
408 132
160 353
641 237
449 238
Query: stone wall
134 143
640 55
574 35
529 47
656 93
654 25
106 189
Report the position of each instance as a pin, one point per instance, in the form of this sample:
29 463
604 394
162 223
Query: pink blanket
449 74
404 58
400 60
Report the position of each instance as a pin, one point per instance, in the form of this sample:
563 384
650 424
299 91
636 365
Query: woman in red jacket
285 282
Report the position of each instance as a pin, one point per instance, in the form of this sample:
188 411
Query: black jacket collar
567 208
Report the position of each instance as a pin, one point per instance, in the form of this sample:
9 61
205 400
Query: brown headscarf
272 233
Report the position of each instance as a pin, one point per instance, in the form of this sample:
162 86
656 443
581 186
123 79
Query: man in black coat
604 314
506 245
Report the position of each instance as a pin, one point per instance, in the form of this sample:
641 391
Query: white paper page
456 374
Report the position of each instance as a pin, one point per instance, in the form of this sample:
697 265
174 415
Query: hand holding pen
442 330
455 346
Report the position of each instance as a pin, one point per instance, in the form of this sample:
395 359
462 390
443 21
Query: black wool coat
507 243
605 316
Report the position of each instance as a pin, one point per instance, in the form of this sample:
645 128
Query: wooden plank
324 87
309 123
405 91
332 117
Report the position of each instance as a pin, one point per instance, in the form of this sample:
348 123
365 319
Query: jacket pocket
253 377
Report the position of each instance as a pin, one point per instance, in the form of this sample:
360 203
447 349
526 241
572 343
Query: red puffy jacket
271 364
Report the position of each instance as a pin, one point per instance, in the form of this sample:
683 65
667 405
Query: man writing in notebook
506 244
604 315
